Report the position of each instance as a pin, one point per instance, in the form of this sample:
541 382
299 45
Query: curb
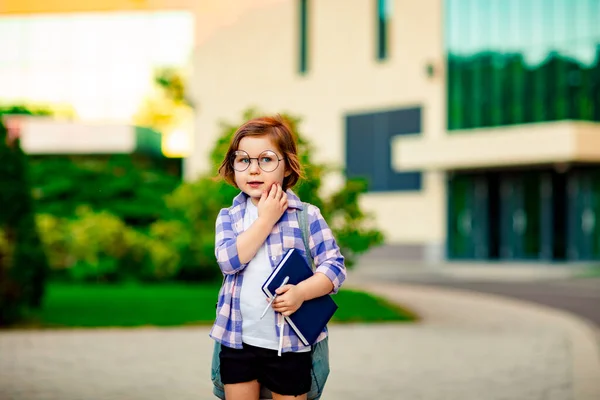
584 337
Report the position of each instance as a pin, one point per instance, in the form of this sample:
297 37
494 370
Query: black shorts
288 375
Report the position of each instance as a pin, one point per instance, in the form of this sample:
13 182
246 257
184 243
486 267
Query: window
369 153
383 22
303 56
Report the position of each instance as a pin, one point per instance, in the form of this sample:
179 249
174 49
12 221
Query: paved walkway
563 286
467 347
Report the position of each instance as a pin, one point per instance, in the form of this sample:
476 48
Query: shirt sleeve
324 249
226 245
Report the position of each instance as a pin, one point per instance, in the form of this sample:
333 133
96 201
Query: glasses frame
237 152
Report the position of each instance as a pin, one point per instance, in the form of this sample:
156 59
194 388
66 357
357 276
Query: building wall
253 62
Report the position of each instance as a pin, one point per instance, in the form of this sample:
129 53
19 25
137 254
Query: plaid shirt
286 234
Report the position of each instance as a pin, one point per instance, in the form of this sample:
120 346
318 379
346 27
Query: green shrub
95 244
100 247
197 203
131 187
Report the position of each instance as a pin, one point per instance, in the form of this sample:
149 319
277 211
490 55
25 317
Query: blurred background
438 131
433 133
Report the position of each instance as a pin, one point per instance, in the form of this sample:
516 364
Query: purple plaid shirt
286 234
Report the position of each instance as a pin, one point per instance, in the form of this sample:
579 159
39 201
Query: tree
23 264
167 104
197 203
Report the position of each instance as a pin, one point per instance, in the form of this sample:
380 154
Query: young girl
252 236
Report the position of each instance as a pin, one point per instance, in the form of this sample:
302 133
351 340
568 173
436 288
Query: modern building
476 122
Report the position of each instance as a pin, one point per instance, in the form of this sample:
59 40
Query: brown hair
279 131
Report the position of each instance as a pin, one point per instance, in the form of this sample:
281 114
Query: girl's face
252 153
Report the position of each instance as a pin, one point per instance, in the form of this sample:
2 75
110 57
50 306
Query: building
476 122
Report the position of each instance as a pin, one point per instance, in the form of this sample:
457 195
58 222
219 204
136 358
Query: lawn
173 305
592 271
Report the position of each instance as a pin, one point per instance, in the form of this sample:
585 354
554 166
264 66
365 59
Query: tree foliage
199 202
168 103
23 264
100 247
130 187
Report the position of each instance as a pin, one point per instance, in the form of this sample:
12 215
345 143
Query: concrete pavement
468 346
572 342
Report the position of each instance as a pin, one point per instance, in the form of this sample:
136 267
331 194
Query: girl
252 236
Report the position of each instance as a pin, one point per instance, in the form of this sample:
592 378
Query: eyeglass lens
267 161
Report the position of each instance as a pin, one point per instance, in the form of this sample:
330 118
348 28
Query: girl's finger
282 290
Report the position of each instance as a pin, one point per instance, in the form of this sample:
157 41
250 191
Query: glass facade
538 214
522 61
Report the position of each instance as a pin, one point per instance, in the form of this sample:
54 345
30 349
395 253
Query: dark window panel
368 151
360 146
404 122
303 33
558 99
518 98
383 27
595 87
452 95
573 86
585 105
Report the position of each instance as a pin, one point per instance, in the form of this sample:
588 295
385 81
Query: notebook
310 319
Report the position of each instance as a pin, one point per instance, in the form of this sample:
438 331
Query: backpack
319 351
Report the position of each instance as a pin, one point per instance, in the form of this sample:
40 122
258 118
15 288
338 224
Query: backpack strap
303 221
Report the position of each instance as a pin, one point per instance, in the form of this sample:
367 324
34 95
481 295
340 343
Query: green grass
174 305
590 272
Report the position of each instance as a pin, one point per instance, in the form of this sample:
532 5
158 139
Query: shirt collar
293 200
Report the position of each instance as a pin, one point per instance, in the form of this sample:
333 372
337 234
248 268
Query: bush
131 187
100 247
197 204
97 245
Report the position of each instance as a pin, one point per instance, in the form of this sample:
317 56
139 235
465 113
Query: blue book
310 319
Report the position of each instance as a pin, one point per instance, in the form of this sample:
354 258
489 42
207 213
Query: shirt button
273 258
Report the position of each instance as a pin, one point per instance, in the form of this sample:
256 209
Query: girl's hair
278 130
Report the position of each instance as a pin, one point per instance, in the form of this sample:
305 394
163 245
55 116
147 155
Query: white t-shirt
255 331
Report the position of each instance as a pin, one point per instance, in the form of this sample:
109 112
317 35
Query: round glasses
267 161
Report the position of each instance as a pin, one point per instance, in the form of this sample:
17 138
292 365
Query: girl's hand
289 300
272 204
